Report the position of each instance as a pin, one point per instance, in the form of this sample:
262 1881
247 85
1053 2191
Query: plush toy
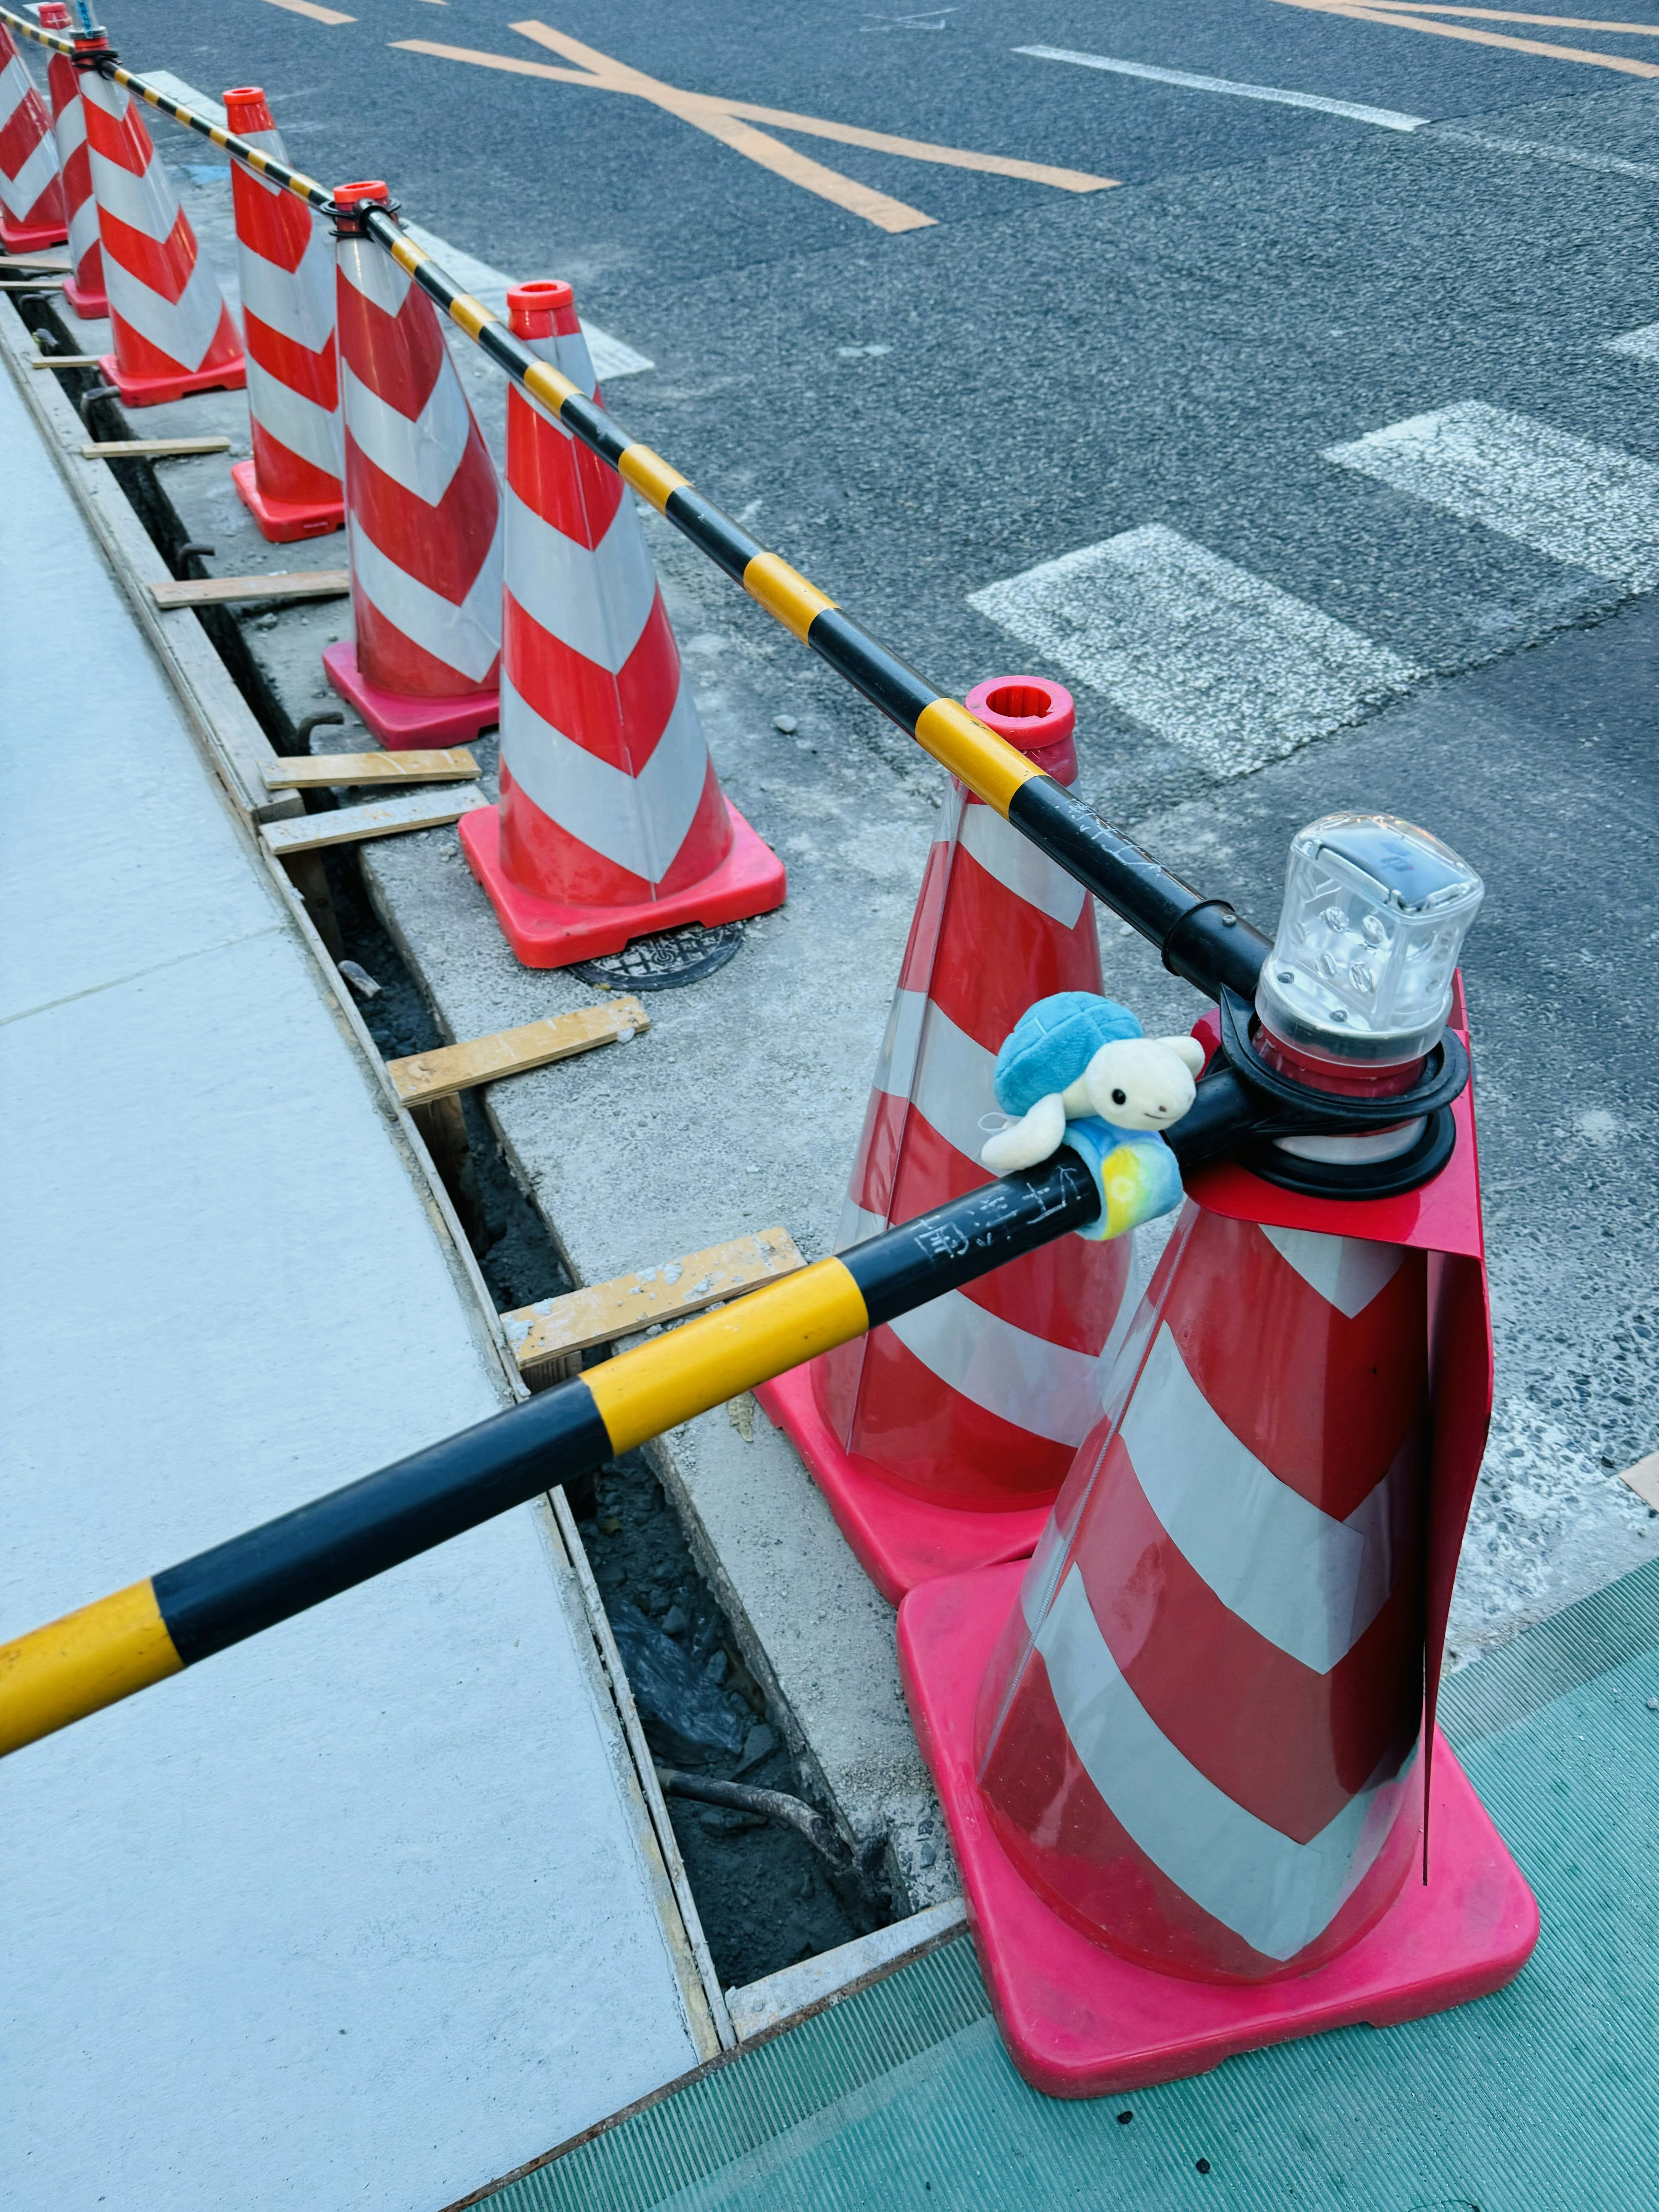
1078 1070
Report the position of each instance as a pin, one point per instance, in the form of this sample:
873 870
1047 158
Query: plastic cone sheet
292 485
982 1397
173 332
612 822
424 513
32 210
1197 1737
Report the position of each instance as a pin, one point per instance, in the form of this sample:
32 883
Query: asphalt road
1159 372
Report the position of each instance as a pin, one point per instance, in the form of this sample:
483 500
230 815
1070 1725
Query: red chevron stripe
929 1439
312 375
1322 1400
22 131
165 268
273 225
282 474
1290 1746
922 947
399 358
126 141
1035 955
48 213
1095 1875
138 357
569 487
875 1164
394 662
536 850
619 719
443 547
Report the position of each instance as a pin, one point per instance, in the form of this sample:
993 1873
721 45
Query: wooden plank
9 261
153 449
32 285
1644 1480
384 818
320 771
427 1075
64 360
555 1327
280 584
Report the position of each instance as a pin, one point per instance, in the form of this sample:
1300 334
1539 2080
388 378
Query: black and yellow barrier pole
122 1644
1200 939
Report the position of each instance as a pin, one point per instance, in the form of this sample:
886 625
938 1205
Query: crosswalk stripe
1208 655
1594 506
1386 118
1640 345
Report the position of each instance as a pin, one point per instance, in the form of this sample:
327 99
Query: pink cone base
282 520
1079 2022
404 722
29 237
546 934
901 1541
91 306
156 391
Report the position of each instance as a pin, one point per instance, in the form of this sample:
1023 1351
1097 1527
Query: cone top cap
245 109
542 308
54 15
1035 714
349 195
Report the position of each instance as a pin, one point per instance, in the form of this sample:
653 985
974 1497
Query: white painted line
1570 157
610 357
1594 506
1640 345
1208 655
1386 118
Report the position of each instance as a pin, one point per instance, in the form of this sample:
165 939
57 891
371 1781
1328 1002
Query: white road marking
610 357
1571 157
1386 118
1594 506
1640 345
210 111
1210 656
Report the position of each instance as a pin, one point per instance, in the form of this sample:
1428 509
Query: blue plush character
1080 1070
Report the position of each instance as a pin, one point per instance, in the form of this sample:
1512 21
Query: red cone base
282 520
1079 2022
546 934
156 391
91 306
899 1538
30 237
404 722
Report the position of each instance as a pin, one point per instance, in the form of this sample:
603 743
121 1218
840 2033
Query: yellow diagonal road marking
1507 16
730 122
1356 14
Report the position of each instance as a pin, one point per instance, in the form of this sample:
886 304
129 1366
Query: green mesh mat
1544 2096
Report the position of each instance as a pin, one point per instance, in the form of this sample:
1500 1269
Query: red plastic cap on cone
374 188
54 15
1034 715
543 308
247 109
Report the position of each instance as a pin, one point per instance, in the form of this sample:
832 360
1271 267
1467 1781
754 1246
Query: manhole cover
663 963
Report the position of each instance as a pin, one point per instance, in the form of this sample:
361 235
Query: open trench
767 1896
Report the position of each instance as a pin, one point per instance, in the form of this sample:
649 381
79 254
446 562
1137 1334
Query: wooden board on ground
428 1075
281 583
153 449
32 284
555 1327
1644 1480
384 818
320 771
10 261
65 360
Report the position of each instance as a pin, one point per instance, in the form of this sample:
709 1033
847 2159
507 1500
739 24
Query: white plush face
1143 1082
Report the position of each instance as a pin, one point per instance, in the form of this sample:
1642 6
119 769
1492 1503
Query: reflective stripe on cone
32 209
84 287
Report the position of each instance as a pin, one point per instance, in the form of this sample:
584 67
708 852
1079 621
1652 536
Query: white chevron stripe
71 131
294 421
144 203
268 142
1044 1388
299 304
372 272
597 602
466 638
1310 1584
1018 866
638 823
183 329
1274 1892
15 86
570 357
925 1058
422 455
20 191
1347 1271
83 231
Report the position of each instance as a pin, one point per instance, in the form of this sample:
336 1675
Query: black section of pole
954 1244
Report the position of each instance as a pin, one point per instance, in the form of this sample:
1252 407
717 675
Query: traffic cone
1181 1751
941 1439
84 288
424 511
292 485
31 211
611 823
173 332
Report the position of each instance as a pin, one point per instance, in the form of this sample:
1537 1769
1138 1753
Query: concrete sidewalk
366 1912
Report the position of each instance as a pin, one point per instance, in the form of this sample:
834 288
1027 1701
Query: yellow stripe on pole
660 1384
986 763
87 1660
651 475
785 593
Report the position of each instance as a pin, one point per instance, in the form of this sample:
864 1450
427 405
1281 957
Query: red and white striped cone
32 211
941 1439
84 288
611 823
173 333
1180 1751
423 509
292 485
